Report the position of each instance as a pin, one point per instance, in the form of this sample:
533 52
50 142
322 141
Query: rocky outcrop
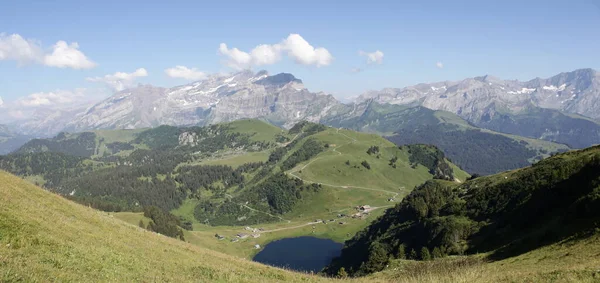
187 138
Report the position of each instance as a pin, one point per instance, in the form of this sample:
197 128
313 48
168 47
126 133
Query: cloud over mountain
120 80
295 46
68 56
184 72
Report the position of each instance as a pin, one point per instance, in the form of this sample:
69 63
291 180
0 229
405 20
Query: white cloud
296 47
185 73
260 55
306 54
120 80
15 47
53 98
1 101
440 65
25 107
68 56
373 57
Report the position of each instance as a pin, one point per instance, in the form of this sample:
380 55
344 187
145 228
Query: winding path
292 173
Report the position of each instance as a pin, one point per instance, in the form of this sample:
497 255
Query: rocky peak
489 79
278 80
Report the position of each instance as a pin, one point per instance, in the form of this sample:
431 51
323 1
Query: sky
61 52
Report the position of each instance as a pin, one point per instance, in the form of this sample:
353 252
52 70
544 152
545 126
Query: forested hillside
504 215
475 150
241 173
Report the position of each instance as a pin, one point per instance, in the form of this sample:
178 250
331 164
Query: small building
364 207
220 237
248 228
234 240
391 199
255 235
257 246
342 223
242 236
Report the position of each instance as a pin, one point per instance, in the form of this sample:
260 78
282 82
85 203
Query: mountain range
560 109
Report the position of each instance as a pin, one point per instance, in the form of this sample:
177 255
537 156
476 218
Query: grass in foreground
44 237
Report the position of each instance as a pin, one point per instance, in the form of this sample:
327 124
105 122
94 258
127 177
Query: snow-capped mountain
478 98
281 99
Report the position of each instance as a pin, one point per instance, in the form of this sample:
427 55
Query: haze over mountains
551 109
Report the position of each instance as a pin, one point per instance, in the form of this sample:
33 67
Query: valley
305 181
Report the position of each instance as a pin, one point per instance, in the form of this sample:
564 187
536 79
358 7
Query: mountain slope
505 215
215 168
10 141
45 237
281 99
473 149
479 100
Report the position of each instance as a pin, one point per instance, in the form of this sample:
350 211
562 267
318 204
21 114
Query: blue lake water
302 253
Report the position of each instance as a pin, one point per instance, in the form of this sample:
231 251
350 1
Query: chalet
365 208
242 236
342 223
234 240
255 235
220 237
257 246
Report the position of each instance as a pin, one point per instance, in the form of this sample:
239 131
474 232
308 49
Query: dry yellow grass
44 237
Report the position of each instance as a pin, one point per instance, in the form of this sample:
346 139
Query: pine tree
378 258
412 254
425 255
342 273
401 252
437 253
141 224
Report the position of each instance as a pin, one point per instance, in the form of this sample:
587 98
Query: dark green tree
437 253
378 258
425 255
412 254
401 252
342 273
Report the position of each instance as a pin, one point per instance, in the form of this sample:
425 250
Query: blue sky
509 39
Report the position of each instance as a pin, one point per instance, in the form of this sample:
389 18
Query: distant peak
279 79
262 73
488 79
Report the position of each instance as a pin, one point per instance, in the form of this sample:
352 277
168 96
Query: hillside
44 237
220 178
474 149
554 202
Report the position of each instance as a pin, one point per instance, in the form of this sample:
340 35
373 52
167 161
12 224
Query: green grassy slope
474 149
548 206
185 181
44 237
259 130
